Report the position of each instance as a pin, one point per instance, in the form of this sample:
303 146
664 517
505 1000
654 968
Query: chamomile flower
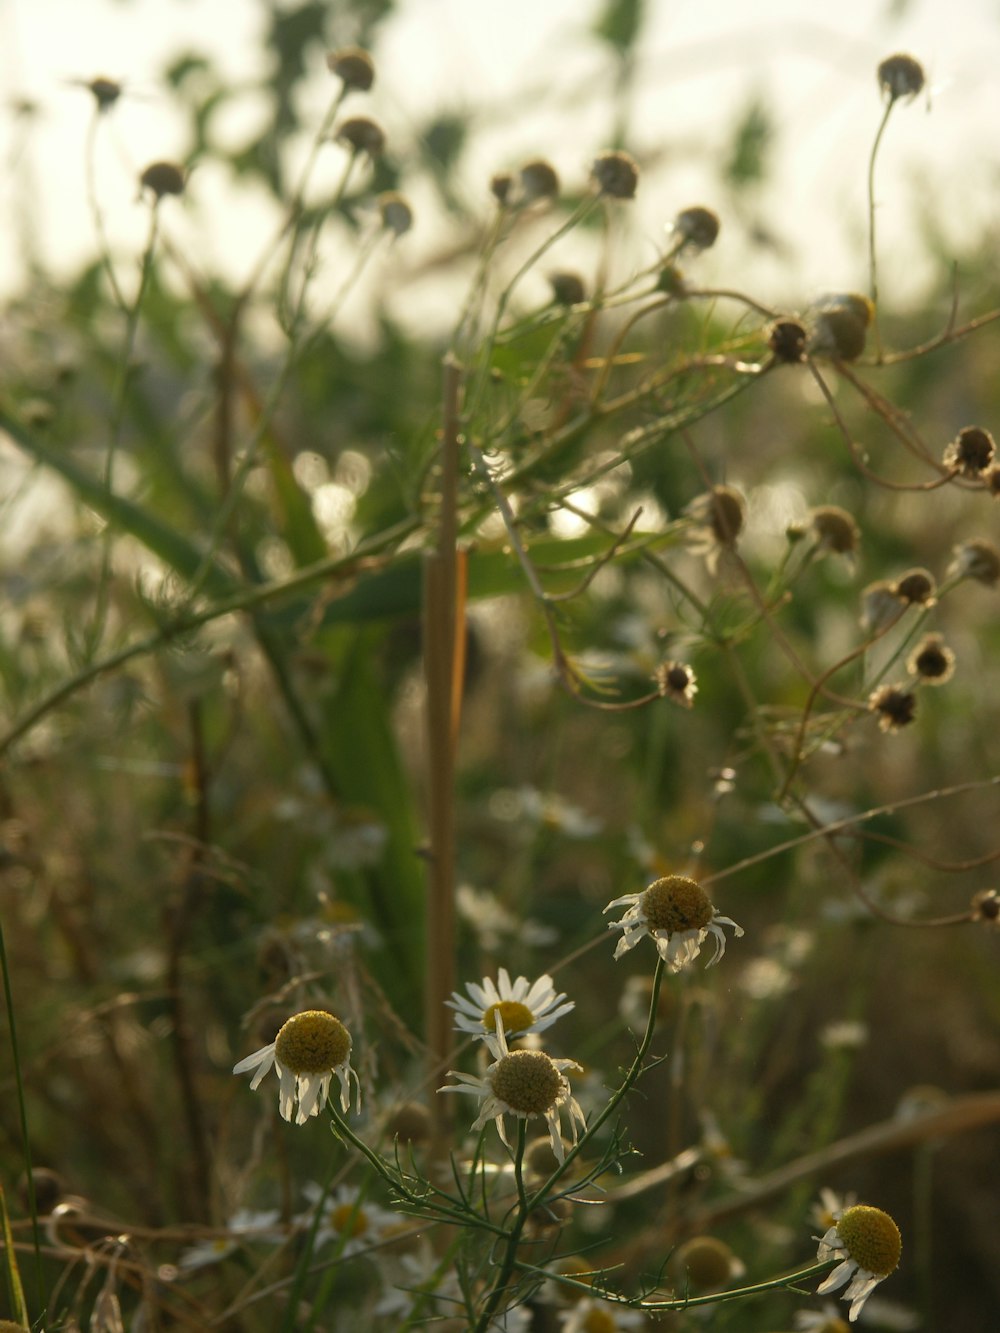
524 1084
678 915
820 1321
523 1006
244 1224
309 1049
867 1242
347 1218
590 1315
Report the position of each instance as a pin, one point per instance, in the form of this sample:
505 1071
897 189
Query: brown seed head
353 66
900 76
705 1263
697 227
895 707
163 178
787 340
362 135
567 288
976 559
932 661
106 92
835 529
616 174
395 212
916 587
539 180
971 452
986 907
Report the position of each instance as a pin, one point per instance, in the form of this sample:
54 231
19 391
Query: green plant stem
29 1174
872 259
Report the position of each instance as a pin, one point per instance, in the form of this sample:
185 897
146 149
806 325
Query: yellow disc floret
871 1238
528 1082
516 1017
676 903
312 1042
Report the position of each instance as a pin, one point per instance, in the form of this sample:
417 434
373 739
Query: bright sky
536 83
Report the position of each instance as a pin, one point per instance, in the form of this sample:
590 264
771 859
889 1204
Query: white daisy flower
308 1050
523 1007
525 1084
826 1320
868 1243
348 1219
590 1315
245 1224
677 914
829 1206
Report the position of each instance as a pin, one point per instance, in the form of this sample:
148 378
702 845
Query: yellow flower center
599 1321
348 1218
527 1081
676 903
313 1042
871 1238
516 1016
705 1262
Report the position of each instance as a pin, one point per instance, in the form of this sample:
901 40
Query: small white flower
523 1006
844 1034
347 1218
829 1207
308 1050
867 1242
525 1084
590 1315
678 915
826 1320
244 1224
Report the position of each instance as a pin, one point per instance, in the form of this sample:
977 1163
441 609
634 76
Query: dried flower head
900 76
787 340
723 511
971 452
353 66
835 530
677 914
163 178
616 174
524 1084
501 185
567 288
704 1264
985 907
106 92
879 605
916 588
539 180
361 134
895 707
976 559
840 326
868 1243
310 1048
410 1122
671 281
697 227
932 661
676 680
395 212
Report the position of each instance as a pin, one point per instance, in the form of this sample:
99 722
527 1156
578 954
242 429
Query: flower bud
395 212
163 178
697 227
362 135
616 174
567 288
900 76
539 180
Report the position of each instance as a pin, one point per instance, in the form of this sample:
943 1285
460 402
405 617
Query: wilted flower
353 66
163 178
976 559
916 587
880 606
697 227
868 1243
931 661
361 134
721 515
522 1006
567 288
616 174
676 680
309 1049
539 180
840 326
524 1084
677 914
971 452
900 76
896 707
395 212
787 340
835 530
986 907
